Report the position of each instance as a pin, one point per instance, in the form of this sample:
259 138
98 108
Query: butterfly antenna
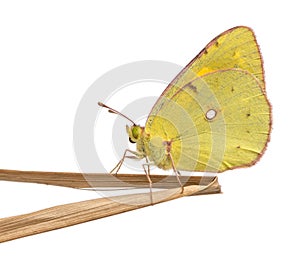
111 110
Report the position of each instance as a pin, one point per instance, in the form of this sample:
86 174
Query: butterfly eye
130 140
135 132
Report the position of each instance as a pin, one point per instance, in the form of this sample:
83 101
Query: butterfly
214 115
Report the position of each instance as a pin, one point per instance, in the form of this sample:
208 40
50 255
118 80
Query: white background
51 53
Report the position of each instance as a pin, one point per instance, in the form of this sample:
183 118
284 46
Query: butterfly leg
148 163
135 155
177 173
147 172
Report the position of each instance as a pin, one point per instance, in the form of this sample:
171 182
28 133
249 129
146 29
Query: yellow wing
216 122
215 112
234 48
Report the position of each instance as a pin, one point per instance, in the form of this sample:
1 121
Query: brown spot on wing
192 87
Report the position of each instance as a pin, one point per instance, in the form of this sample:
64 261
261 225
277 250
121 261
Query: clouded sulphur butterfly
214 115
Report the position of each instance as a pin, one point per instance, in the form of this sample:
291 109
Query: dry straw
79 212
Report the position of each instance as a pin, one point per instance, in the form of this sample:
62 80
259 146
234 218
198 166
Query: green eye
135 132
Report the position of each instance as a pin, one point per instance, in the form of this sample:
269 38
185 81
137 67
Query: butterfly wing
234 48
218 121
227 77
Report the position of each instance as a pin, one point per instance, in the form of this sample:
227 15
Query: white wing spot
210 114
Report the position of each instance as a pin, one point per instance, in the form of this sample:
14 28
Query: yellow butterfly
214 115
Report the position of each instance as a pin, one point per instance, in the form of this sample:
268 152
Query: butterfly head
134 132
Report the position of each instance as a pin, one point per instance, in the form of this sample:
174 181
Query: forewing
234 48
